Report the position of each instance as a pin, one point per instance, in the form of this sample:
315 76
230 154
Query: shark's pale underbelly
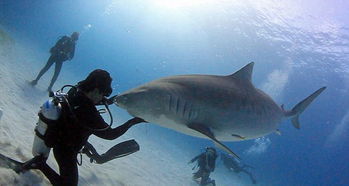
235 129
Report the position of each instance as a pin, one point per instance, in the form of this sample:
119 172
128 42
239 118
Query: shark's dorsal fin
244 73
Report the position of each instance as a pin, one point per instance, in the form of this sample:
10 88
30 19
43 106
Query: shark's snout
121 100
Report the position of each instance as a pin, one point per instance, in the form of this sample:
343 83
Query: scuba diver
233 165
63 50
65 124
206 162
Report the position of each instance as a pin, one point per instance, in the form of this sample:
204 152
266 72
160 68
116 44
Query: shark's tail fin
300 107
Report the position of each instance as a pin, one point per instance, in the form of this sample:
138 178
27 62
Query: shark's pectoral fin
207 132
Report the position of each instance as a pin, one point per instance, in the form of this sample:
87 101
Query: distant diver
63 50
65 124
206 162
233 165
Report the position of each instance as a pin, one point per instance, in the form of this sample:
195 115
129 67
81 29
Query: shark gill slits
177 105
173 103
194 114
170 102
184 109
190 111
189 114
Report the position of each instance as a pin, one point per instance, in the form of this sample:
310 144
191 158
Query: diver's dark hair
99 79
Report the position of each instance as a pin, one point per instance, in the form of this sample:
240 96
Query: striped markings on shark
220 108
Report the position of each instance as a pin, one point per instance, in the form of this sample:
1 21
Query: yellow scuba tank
49 111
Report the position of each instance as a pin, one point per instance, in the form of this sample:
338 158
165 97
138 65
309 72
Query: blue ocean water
297 48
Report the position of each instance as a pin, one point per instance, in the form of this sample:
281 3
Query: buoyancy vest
63 46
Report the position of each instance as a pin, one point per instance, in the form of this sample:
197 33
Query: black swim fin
11 164
119 150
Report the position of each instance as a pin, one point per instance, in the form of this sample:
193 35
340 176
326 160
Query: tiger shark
220 108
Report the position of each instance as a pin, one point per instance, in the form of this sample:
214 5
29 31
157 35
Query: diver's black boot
34 163
10 163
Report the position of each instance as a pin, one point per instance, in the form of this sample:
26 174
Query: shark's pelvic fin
207 132
244 73
238 136
278 132
300 107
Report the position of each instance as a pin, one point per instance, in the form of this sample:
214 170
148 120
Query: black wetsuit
206 164
73 134
62 51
